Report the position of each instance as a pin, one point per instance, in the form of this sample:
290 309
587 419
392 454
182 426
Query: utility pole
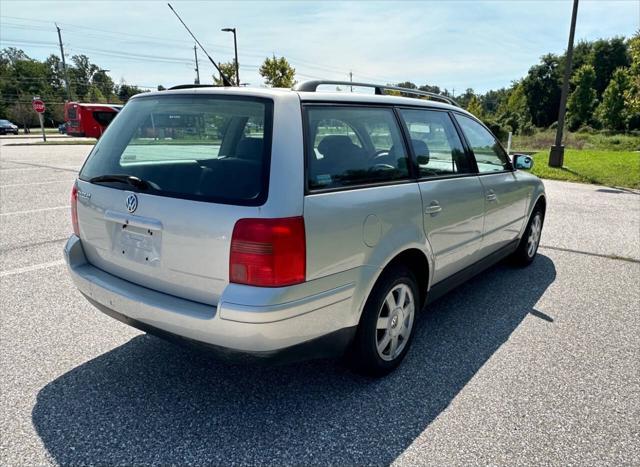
351 79
195 52
556 155
64 65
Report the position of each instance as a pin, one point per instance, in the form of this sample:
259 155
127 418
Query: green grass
543 140
611 168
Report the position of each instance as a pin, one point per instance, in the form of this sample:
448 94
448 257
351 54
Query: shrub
587 129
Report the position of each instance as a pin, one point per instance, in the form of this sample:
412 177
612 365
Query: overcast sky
453 44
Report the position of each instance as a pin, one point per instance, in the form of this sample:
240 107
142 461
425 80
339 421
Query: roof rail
188 86
312 86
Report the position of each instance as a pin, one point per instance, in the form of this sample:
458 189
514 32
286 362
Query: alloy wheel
395 322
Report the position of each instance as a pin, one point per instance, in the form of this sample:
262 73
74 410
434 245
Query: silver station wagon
291 224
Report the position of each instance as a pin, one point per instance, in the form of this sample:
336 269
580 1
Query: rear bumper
318 325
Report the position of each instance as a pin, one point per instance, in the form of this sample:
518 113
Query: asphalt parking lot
519 366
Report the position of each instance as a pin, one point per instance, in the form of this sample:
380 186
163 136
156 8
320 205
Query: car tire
386 327
530 241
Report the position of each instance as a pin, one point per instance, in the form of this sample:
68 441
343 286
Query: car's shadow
148 401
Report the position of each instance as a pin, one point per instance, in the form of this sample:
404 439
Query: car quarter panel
362 229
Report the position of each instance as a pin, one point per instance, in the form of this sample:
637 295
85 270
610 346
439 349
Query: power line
246 51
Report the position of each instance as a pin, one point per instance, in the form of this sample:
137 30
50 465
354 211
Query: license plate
137 244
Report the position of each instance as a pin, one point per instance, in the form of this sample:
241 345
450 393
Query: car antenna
225 80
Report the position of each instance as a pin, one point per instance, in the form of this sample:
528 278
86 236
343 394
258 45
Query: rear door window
208 148
349 146
436 144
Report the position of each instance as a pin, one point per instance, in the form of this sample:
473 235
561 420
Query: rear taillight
268 252
74 210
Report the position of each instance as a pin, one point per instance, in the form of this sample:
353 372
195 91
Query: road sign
38 105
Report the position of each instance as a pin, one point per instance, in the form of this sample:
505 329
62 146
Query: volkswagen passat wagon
271 223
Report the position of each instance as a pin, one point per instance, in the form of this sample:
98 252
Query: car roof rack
188 86
312 86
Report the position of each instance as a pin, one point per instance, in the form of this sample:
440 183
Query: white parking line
23 168
35 267
29 211
70 181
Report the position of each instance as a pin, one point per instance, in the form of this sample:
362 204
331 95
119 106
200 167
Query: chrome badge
84 194
132 202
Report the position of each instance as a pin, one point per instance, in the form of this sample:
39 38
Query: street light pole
235 47
556 155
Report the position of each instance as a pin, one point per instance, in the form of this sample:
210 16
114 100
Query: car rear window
208 148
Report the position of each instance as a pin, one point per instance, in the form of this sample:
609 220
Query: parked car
7 127
302 224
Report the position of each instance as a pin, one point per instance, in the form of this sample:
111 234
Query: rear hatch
162 190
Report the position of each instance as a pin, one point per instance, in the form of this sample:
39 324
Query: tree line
604 88
604 91
22 78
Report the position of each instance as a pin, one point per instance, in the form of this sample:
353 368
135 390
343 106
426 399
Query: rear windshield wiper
129 179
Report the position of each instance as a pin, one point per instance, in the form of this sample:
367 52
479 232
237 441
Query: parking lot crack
589 253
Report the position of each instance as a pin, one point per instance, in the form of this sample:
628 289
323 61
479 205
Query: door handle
433 208
491 195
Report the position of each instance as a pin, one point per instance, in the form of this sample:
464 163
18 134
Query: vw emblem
132 202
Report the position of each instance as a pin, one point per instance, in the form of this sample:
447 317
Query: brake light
74 210
268 252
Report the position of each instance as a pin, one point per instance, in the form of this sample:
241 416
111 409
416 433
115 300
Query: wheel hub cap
396 322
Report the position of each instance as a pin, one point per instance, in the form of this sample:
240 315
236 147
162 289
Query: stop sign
38 105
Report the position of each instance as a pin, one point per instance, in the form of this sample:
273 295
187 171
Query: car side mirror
522 161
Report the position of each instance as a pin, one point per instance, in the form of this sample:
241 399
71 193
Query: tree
229 69
277 72
475 107
81 74
21 114
95 95
582 54
632 95
611 112
606 57
104 83
464 98
492 100
407 85
514 111
429 88
582 100
126 91
11 55
542 88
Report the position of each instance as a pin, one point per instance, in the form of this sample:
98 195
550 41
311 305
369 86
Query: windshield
209 148
5 122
